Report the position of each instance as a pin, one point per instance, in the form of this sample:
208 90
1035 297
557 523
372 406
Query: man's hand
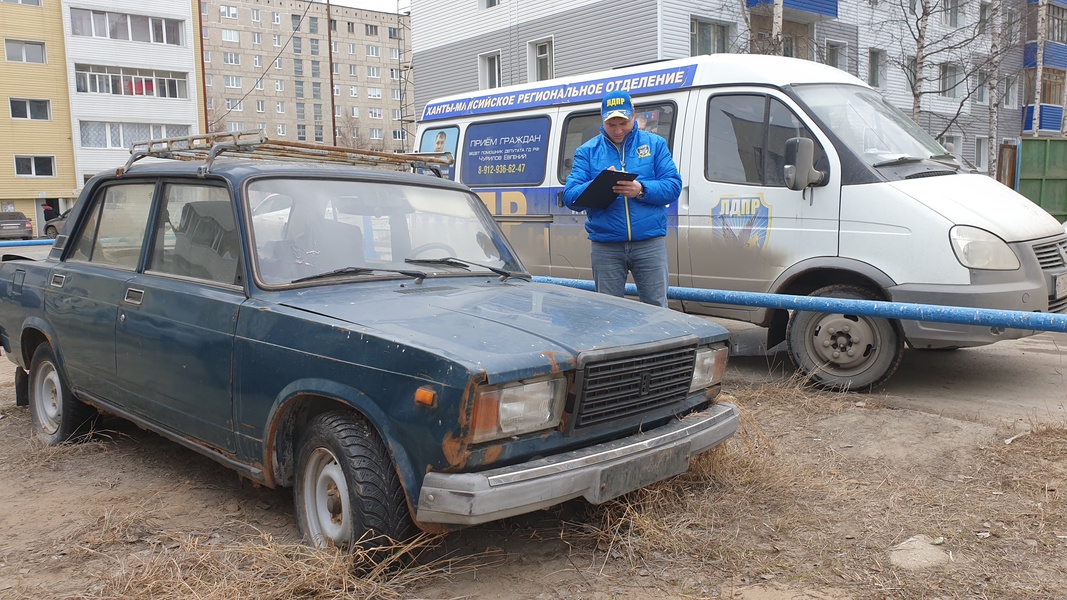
629 189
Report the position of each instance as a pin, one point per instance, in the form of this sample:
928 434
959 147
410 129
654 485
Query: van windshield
873 129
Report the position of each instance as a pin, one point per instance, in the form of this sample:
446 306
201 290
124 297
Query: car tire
844 352
51 231
347 491
57 416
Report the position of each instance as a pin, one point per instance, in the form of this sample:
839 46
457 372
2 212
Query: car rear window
12 216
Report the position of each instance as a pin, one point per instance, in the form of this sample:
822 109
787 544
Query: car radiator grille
615 389
1051 256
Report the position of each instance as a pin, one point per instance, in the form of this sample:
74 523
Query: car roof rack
256 145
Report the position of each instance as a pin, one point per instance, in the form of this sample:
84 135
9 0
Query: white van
798 179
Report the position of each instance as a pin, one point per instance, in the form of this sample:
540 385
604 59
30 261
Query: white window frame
33 165
489 70
540 53
981 155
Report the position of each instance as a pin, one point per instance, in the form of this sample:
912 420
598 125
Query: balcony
1050 119
800 11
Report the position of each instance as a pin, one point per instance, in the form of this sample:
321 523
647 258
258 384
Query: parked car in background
53 226
14 226
368 338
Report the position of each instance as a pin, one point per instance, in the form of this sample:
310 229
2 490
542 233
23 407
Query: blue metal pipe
986 317
46 242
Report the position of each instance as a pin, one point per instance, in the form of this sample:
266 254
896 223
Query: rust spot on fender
561 361
455 451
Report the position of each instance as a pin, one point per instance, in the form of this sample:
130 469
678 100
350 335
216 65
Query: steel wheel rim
848 346
326 500
47 395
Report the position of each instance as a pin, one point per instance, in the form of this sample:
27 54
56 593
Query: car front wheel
347 492
57 416
51 231
842 351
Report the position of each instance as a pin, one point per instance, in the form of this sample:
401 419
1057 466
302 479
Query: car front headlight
517 408
709 368
978 249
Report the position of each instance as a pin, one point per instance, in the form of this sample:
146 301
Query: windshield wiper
900 160
452 261
359 271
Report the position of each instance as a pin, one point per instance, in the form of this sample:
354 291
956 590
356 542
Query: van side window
746 139
440 139
577 130
512 152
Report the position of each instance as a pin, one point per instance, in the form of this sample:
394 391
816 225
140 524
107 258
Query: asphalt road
1022 381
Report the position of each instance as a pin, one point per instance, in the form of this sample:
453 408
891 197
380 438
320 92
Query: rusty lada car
364 336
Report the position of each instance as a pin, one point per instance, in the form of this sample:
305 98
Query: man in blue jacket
628 236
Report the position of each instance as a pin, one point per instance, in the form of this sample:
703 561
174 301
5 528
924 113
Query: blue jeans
646 260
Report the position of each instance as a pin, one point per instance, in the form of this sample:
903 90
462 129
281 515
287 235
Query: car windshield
314 230
873 129
12 216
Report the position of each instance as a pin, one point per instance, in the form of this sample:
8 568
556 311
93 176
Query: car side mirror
799 168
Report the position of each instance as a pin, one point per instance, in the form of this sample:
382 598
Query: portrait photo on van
442 139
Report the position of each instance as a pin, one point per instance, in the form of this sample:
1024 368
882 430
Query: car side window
114 232
655 118
746 139
195 234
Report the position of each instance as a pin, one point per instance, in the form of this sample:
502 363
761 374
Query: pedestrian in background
629 235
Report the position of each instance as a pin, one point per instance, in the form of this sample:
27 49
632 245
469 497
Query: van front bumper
598 473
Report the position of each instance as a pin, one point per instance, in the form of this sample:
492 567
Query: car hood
508 329
979 201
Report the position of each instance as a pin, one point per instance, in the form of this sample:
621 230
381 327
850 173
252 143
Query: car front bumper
598 473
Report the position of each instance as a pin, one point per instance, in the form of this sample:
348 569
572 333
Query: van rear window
506 152
440 139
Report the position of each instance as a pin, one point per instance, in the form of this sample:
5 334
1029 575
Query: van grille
1050 255
615 389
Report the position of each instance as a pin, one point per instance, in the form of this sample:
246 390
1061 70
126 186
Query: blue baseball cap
616 104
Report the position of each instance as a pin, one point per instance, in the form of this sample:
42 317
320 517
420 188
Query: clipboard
599 194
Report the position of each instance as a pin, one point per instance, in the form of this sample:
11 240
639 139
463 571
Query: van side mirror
799 168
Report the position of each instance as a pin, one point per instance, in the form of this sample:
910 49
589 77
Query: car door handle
57 280
134 296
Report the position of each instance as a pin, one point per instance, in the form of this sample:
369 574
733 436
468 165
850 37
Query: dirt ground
828 497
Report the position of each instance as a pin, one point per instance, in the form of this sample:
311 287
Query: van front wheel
841 351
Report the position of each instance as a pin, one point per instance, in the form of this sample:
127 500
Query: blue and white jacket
626 219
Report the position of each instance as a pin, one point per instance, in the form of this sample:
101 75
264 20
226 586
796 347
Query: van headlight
710 366
517 408
978 249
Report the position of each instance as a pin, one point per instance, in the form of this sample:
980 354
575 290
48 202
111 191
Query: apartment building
308 72
132 73
36 153
480 44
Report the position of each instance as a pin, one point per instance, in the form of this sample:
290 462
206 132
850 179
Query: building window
376 133
298 67
301 132
949 79
396 94
706 37
399 135
336 68
951 143
397 114
98 134
20 51
300 114
228 12
394 33
257 61
316 70
120 26
207 56
394 74
909 73
950 14
257 37
333 24
490 3
299 88
207 79
394 53
1056 23
374 72
296 22
351 27
489 70
374 93
277 41
336 90
837 55
374 113
314 46
232 81
34 110
234 105
261 105
318 133
25 2
981 153
298 46
355 112
230 35
236 126
279 86
351 48
369 29
255 15
276 18
1009 92
35 166
316 112
313 24
280 108
231 58
281 128
983 17
119 81
875 68
981 93
541 60
373 51
316 90
353 91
